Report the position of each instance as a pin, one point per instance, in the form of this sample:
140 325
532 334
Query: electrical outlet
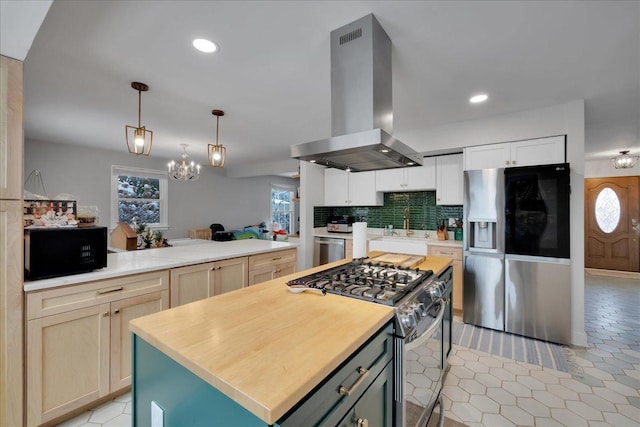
157 415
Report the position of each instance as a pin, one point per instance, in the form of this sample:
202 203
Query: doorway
612 206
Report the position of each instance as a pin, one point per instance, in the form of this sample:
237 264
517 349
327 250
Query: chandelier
139 139
624 160
183 170
217 153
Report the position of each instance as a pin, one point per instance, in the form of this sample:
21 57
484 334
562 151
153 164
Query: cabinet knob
105 314
116 311
513 162
363 422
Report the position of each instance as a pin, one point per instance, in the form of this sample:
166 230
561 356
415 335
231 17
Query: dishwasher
327 249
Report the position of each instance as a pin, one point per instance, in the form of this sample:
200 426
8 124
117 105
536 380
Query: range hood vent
361 101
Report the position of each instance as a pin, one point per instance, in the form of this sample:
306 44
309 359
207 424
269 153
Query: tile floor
486 390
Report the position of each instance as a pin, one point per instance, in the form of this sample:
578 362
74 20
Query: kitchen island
256 355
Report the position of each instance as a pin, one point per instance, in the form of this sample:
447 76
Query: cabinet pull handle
116 311
276 258
364 373
108 291
363 422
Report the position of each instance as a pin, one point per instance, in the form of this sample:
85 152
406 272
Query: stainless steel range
422 326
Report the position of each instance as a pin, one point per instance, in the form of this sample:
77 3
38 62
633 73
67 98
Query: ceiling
272 73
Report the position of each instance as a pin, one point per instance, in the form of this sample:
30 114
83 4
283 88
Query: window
607 210
282 207
139 193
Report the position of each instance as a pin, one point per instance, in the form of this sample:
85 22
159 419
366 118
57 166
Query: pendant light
624 160
184 170
217 153
139 139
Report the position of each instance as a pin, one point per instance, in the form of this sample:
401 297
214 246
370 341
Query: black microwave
55 252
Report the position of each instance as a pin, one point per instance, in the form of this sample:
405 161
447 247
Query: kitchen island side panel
185 399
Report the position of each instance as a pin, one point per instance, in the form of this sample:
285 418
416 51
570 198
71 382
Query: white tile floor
486 390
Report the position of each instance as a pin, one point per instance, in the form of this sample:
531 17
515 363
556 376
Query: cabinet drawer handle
362 422
364 373
276 258
108 291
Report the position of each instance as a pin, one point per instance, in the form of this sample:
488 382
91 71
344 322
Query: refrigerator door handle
529 258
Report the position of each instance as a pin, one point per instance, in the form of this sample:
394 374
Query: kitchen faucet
406 222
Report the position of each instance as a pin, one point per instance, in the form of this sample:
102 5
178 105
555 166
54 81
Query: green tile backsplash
423 211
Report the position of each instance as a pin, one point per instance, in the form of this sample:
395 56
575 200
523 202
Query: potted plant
158 237
148 238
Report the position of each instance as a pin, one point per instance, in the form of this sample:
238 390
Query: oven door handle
430 330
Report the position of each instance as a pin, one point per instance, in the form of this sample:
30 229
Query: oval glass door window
607 210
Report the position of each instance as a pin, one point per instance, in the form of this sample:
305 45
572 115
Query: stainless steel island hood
361 100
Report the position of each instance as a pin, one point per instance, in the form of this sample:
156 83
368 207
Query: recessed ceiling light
312 161
385 150
204 45
410 163
478 98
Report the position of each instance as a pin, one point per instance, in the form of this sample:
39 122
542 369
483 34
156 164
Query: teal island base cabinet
358 393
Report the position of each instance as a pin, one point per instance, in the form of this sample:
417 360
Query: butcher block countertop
263 346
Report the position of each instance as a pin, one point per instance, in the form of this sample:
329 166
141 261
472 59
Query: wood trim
612 273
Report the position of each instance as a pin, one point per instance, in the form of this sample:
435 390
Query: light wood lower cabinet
122 312
455 254
271 265
196 282
77 356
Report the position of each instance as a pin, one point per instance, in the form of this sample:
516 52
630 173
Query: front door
611 206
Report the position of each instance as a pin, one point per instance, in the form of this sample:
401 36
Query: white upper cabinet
449 182
531 152
350 188
543 151
487 156
417 178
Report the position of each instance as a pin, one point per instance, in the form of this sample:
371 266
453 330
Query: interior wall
604 169
86 173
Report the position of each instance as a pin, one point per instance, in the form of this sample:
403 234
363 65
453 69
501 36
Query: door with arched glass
611 209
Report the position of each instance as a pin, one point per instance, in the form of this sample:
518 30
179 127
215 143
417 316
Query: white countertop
377 233
142 261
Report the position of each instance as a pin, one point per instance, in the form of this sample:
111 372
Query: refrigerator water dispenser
483 235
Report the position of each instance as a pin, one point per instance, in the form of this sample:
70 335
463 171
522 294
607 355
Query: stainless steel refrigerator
537 255
516 251
483 296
